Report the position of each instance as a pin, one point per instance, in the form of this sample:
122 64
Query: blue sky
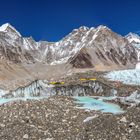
53 19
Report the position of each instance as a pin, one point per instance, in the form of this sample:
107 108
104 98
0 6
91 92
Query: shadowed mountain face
23 60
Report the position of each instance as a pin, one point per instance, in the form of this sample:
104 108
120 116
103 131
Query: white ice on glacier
2 92
138 66
130 77
133 98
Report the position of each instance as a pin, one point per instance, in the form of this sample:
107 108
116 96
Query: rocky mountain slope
106 46
23 60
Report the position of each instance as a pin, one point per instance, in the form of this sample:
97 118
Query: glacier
129 77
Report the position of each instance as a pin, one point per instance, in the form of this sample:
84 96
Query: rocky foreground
57 118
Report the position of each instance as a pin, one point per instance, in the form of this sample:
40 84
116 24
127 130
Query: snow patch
90 118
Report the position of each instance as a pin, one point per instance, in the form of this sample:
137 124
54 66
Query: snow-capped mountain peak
84 28
8 28
132 37
82 48
4 27
102 27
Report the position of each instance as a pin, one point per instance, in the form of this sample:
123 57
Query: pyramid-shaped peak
102 27
5 27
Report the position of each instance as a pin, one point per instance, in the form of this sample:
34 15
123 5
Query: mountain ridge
8 25
22 59
53 52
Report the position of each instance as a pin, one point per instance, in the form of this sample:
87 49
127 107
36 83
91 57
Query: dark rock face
82 60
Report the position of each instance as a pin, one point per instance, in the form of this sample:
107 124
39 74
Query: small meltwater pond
89 103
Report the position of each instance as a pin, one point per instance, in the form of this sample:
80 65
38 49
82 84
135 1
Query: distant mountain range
99 49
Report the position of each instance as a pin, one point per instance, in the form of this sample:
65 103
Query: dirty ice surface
90 103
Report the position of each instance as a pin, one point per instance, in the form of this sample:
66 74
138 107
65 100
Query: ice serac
129 77
42 88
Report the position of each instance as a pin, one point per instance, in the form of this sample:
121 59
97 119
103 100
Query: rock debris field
58 118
